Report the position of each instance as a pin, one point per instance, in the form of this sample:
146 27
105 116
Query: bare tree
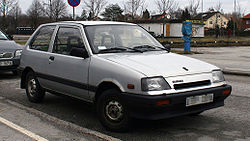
94 7
132 6
193 7
35 12
174 10
55 9
240 10
5 7
84 15
59 9
48 8
177 14
236 16
143 8
164 5
15 14
218 7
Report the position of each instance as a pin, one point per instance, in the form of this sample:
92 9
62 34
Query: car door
67 73
37 52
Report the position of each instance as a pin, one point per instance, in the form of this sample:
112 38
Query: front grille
192 84
6 55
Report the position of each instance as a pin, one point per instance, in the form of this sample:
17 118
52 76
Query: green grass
20 42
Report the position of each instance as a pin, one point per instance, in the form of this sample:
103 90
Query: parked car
10 53
121 69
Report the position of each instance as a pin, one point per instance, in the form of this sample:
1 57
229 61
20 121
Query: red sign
74 3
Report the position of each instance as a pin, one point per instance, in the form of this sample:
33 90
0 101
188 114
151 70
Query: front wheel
34 91
112 112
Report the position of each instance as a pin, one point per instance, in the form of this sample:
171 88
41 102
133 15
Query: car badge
185 68
178 81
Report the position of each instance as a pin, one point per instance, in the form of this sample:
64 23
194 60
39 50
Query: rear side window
42 39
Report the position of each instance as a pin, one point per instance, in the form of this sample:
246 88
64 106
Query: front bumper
16 63
145 107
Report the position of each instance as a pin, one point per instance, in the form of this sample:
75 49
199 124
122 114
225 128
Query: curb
62 123
236 72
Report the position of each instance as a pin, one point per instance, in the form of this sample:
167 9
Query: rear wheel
112 112
34 91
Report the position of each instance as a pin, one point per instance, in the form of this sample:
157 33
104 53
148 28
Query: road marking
22 130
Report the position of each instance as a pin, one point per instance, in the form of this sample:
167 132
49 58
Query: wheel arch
105 85
23 76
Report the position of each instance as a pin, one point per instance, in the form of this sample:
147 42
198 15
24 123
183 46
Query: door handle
51 59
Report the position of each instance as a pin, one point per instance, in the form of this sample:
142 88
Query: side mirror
11 37
167 47
79 52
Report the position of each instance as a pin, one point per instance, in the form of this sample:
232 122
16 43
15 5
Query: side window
68 41
42 39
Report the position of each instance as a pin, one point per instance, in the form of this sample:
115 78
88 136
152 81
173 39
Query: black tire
15 72
196 114
110 100
34 91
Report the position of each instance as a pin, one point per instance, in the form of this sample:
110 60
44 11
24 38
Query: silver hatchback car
121 69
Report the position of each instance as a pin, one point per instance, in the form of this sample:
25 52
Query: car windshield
121 38
3 36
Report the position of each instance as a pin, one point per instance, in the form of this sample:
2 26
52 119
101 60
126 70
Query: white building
170 28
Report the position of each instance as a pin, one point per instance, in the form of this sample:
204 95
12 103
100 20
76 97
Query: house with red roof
246 21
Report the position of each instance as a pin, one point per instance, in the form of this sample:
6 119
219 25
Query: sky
227 5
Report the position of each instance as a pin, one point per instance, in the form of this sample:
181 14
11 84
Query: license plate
200 99
6 63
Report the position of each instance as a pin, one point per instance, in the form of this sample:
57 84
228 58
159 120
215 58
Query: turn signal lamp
163 102
226 92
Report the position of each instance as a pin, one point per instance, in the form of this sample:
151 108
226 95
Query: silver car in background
121 69
10 53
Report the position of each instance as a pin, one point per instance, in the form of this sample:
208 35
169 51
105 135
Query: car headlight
217 76
18 53
154 84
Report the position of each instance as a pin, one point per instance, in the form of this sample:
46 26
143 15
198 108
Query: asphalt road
231 122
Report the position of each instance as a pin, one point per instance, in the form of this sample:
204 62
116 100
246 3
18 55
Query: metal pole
234 17
50 9
202 4
73 13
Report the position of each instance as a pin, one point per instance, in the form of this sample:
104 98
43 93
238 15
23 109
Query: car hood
9 46
160 63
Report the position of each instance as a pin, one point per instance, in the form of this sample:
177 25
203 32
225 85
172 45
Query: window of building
42 39
211 22
248 22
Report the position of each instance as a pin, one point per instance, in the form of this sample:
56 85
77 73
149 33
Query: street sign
74 3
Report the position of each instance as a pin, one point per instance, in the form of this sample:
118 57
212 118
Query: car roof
87 23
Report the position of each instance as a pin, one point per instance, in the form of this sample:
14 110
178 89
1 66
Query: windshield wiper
149 48
133 49
144 48
119 49
3 39
113 49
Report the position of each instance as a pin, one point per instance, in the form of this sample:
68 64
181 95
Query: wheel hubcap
114 110
32 87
